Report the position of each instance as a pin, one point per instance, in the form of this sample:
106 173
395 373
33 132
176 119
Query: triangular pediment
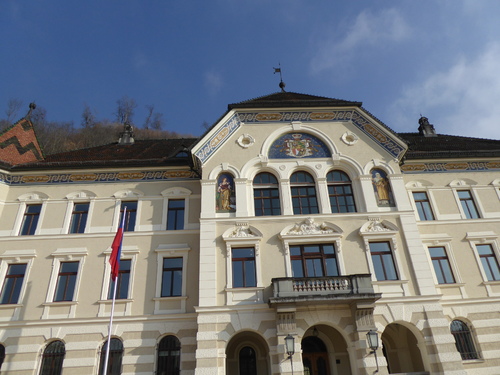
292 108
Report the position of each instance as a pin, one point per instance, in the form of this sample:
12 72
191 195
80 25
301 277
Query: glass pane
177 290
250 274
172 262
378 268
237 274
390 270
331 267
328 249
297 268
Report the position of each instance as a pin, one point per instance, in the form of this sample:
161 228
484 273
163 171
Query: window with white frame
78 212
383 261
13 282
122 281
486 251
125 281
14 269
313 249
441 264
266 195
243 256
423 205
382 251
468 204
131 200
30 214
303 192
243 266
66 274
175 214
176 208
489 261
171 279
340 192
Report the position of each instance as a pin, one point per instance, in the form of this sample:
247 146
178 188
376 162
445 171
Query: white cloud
213 82
368 30
462 100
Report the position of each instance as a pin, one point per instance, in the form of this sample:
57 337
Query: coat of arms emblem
298 147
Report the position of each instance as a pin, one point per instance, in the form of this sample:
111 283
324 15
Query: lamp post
290 348
372 338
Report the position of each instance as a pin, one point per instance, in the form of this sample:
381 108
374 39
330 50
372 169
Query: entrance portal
315 357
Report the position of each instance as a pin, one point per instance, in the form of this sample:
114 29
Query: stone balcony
343 289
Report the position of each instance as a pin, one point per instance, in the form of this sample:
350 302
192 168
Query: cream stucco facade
286 256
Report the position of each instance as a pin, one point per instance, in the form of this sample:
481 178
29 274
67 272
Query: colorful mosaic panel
448 167
298 145
79 178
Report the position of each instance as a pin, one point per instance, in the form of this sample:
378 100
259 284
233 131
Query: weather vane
282 84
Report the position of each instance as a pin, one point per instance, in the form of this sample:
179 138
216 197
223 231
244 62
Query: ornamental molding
450 167
242 231
375 226
96 177
310 227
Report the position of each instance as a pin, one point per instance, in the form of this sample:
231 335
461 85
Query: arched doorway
315 357
247 353
324 352
401 350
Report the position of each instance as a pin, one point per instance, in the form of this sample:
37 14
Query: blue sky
190 59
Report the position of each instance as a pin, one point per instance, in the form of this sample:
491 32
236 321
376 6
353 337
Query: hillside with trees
57 136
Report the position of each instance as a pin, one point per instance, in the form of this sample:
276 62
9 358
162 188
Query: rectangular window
243 262
66 281
171 284
489 262
130 217
30 219
423 206
175 214
314 260
79 218
468 205
383 262
123 280
441 265
13 283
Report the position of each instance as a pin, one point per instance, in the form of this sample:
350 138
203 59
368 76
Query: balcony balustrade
303 289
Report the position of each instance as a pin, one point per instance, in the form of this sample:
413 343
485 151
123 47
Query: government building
298 235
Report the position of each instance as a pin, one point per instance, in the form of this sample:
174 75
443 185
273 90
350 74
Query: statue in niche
382 188
225 199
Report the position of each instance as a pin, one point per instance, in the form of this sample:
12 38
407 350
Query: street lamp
372 338
290 348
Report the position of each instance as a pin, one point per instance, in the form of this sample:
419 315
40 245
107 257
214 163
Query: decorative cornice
95 177
450 167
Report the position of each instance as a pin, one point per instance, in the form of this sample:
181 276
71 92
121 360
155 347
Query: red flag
114 260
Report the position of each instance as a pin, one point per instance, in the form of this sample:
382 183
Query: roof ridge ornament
282 84
426 129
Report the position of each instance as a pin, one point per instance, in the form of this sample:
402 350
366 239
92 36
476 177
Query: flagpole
106 359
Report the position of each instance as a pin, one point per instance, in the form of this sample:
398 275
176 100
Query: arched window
463 340
247 361
303 191
115 357
52 358
2 355
340 192
169 356
266 195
